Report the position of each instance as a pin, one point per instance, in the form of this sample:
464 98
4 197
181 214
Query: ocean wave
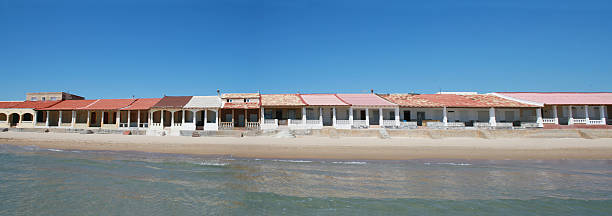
55 150
449 163
210 163
349 162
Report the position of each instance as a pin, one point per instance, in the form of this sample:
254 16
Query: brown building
52 96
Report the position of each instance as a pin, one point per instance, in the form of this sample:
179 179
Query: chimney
371 91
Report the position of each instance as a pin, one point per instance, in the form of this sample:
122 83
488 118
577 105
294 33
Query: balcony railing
388 123
549 120
294 121
177 124
252 125
455 124
579 121
271 121
482 124
313 122
596 122
360 123
227 125
123 125
343 122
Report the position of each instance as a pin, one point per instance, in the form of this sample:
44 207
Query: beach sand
313 147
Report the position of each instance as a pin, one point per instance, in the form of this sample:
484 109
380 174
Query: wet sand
313 147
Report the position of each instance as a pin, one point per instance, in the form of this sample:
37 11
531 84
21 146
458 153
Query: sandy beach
313 147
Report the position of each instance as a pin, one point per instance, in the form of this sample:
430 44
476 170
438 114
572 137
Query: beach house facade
205 113
168 115
21 114
370 110
568 109
240 111
464 110
278 109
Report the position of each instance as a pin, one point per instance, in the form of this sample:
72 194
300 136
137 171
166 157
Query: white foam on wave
294 161
55 150
449 163
349 162
210 163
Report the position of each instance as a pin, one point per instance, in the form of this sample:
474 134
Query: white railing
227 125
482 124
434 124
455 124
579 121
271 121
282 122
504 124
388 123
360 123
143 125
252 125
177 124
549 120
596 122
123 124
343 122
313 122
156 124
408 124
294 121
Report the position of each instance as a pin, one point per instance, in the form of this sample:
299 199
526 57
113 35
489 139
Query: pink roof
70 105
142 104
563 98
322 100
109 104
364 100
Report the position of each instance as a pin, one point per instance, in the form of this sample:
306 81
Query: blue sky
114 49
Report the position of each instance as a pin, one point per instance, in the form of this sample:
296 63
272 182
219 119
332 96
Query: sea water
35 181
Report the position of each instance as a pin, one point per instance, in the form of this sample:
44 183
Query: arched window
27 117
2 117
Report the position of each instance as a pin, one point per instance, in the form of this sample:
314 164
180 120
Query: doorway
14 119
420 118
406 115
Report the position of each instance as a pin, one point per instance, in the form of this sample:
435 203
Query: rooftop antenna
219 92
133 96
371 91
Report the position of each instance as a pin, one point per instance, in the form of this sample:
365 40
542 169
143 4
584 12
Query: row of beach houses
174 115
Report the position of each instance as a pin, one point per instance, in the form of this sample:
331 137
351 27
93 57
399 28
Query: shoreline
314 147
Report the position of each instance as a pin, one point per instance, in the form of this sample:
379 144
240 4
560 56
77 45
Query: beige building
52 96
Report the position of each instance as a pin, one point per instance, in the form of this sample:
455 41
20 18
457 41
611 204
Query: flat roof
364 100
322 100
562 98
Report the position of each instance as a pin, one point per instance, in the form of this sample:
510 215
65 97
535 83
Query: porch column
262 117
321 115
333 116
397 117
602 114
539 117
46 121
303 115
586 113
555 116
205 113
59 123
183 120
245 118
492 120
570 121
35 117
351 116
445 116
118 118
73 121
102 119
172 118
129 124
88 118
193 120
162 118
232 117
380 117
367 111
138 119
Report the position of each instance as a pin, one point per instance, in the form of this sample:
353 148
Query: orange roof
69 105
35 104
142 104
240 95
452 100
281 100
248 105
8 104
109 104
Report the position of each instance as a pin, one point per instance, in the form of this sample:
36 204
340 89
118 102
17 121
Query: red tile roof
364 100
248 105
240 95
109 104
563 98
322 100
142 104
172 102
281 100
8 104
35 104
70 105
452 100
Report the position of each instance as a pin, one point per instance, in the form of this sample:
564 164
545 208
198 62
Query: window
43 98
33 98
53 98
246 100
229 100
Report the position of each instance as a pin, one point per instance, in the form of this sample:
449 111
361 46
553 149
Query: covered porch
580 115
240 119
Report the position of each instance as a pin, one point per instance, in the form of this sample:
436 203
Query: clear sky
147 48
